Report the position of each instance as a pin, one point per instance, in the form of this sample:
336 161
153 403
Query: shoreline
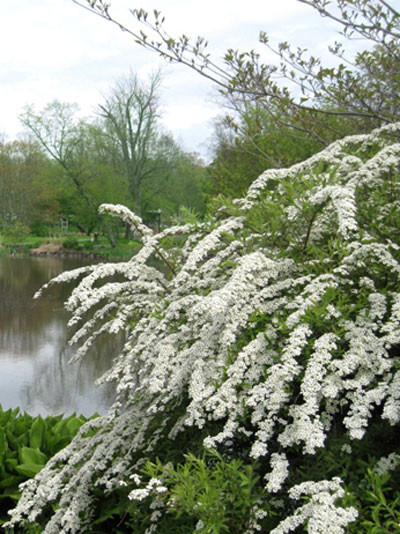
22 249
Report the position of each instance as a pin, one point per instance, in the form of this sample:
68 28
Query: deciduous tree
86 171
27 193
59 131
300 91
130 113
246 146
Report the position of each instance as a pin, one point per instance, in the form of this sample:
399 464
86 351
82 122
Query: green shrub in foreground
26 443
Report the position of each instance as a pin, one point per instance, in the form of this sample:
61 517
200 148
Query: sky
53 49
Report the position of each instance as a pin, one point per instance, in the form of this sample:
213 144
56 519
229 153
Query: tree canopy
245 147
120 155
130 114
27 193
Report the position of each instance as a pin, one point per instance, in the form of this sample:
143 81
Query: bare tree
130 114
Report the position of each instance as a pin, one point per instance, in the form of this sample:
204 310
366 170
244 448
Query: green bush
41 229
207 493
378 500
16 232
71 243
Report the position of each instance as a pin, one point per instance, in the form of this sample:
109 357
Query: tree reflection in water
34 370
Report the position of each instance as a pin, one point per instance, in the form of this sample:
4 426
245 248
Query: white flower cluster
321 512
154 486
387 463
266 336
279 473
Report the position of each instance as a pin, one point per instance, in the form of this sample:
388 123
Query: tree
244 148
59 132
189 186
363 92
100 171
130 114
258 389
121 156
86 173
179 181
27 192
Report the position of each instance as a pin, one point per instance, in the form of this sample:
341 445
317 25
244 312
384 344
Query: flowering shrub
270 333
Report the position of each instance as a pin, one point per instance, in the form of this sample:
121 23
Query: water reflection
34 373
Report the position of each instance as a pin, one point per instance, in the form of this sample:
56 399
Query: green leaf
56 443
28 456
14 495
22 425
5 417
74 425
22 440
37 433
12 480
29 470
108 510
10 463
11 440
3 444
60 428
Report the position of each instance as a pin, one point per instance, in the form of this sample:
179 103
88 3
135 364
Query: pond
34 371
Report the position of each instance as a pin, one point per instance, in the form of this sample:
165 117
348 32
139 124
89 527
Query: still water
34 370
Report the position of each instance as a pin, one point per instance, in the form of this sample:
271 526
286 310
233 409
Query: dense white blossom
321 511
279 473
266 336
388 463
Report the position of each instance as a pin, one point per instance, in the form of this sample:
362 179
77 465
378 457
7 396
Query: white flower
279 473
387 463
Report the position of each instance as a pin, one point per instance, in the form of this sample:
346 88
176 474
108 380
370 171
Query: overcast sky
53 49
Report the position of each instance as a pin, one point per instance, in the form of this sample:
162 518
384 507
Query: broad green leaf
60 428
21 425
74 425
11 480
32 456
37 433
14 495
12 441
22 440
29 470
14 413
5 417
3 444
56 443
10 463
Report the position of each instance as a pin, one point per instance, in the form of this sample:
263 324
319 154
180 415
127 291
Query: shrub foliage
261 366
26 443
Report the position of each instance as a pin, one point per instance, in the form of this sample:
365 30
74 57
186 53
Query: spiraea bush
259 385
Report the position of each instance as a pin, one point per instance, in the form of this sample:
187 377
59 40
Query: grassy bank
101 248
